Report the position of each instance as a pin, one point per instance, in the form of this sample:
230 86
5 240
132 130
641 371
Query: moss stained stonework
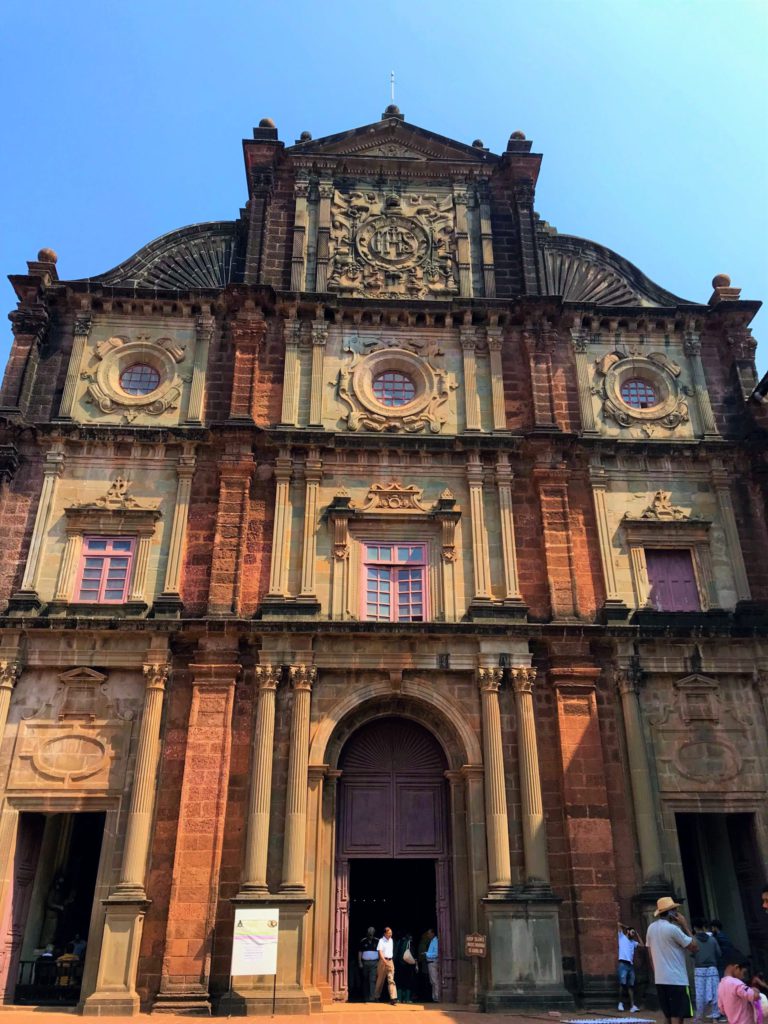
580 714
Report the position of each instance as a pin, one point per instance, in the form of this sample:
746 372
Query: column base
524 964
167 606
115 993
24 602
288 608
614 610
253 995
482 608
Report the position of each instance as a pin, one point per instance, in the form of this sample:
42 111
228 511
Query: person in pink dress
735 998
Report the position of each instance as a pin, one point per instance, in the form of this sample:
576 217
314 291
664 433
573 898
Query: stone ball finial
47 256
721 281
305 137
392 109
266 122
478 144
517 136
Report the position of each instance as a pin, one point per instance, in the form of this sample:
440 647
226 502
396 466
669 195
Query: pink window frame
106 557
423 565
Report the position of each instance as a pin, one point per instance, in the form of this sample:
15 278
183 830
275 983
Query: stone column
497 378
580 339
257 841
26 599
480 556
499 870
170 599
313 472
299 256
115 991
471 402
292 340
195 881
648 839
203 335
325 190
534 828
302 677
9 676
486 240
136 591
463 252
615 606
692 348
722 487
504 475
281 530
63 593
80 339
319 338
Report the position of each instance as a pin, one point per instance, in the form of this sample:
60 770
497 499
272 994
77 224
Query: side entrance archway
393 846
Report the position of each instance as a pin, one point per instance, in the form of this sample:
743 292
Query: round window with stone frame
119 361
639 393
394 382
659 377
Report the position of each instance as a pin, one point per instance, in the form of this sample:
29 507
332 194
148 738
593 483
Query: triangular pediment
393 140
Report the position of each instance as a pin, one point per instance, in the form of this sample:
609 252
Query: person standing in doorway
433 971
667 939
705 974
405 968
629 940
368 962
386 967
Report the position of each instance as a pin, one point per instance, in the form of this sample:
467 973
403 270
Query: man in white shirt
432 958
667 939
629 940
386 967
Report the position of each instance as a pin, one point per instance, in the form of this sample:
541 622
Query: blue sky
122 123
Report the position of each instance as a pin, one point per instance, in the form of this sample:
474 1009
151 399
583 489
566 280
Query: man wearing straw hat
668 938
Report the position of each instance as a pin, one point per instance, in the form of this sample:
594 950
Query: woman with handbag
405 969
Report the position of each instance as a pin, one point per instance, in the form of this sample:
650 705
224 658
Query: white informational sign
254 947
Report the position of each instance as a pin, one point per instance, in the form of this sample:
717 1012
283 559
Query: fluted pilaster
534 829
301 677
257 840
499 871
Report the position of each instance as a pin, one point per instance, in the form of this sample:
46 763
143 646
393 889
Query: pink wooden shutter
673 584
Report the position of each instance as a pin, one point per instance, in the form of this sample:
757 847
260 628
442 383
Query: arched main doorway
393 844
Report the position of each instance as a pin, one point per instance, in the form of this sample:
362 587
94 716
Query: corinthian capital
626 681
267 676
9 674
302 676
157 675
489 679
523 679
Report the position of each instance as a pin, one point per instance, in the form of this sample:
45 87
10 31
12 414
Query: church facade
379 557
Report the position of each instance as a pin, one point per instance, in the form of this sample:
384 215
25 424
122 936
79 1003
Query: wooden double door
392 809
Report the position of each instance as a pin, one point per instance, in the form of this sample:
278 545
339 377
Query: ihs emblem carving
392 246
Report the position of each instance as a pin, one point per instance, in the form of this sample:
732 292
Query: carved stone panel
77 741
393 246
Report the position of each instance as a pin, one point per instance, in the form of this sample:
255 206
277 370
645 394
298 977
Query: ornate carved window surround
618 368
116 514
663 525
116 355
393 513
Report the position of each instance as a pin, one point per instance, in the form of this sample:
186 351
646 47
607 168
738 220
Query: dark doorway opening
52 916
723 877
399 893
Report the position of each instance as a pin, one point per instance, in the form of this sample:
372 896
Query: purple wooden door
392 804
672 581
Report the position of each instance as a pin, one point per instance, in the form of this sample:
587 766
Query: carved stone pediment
661 510
115 511
393 139
394 497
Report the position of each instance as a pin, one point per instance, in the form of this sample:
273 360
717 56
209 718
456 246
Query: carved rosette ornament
114 355
391 246
671 408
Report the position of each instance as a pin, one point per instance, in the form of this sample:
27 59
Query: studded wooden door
392 804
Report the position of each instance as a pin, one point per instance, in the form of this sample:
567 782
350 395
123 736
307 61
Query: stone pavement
348 1013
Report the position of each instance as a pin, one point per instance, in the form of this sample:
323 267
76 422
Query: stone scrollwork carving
425 411
661 509
663 373
392 246
114 355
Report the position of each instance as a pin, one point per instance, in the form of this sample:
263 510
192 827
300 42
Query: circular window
139 379
639 394
393 388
